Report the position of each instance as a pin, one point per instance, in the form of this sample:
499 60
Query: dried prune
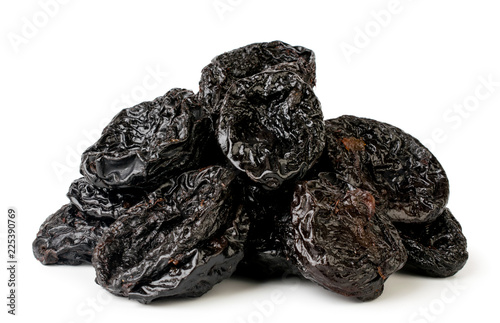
265 250
438 248
68 237
188 237
340 242
148 142
103 202
407 180
271 127
218 76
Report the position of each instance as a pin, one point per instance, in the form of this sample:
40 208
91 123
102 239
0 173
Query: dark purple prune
265 250
271 127
408 182
339 242
68 237
103 202
437 248
148 142
188 237
225 69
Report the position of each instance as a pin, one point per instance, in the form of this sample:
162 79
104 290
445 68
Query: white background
67 68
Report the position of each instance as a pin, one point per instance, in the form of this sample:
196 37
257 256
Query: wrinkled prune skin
103 202
265 248
188 237
437 248
68 237
225 69
408 182
340 242
271 127
148 142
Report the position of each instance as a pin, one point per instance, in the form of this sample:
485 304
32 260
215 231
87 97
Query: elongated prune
437 248
68 237
271 127
340 242
150 141
103 202
265 248
408 182
225 69
188 237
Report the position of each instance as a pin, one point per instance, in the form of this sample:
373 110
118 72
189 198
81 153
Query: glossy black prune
437 248
225 69
68 237
271 127
146 143
103 202
408 182
188 237
340 242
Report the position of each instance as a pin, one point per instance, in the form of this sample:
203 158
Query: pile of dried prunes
247 177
